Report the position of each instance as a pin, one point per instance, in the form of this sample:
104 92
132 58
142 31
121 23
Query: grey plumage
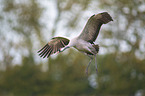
84 42
91 30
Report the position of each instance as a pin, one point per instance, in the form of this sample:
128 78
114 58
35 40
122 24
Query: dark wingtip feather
104 17
53 46
49 53
44 52
42 48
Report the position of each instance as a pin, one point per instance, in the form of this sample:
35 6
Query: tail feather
96 47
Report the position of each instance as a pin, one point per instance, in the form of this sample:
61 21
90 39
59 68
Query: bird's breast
84 47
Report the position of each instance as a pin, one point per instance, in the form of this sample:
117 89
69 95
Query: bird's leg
63 49
96 64
88 66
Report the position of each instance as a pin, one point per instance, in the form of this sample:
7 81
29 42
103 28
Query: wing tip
104 17
44 51
42 48
53 46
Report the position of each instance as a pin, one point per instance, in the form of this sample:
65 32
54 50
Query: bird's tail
96 47
104 17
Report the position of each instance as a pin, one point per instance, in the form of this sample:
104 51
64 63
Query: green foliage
121 68
63 77
121 74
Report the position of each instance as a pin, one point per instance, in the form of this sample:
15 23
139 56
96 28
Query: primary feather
54 45
84 42
91 30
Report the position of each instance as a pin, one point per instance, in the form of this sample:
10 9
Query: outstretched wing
91 30
53 46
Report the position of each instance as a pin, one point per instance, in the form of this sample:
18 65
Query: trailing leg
88 65
96 64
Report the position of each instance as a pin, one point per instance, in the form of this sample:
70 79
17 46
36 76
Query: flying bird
83 43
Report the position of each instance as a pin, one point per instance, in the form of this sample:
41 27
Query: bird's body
85 47
83 43
80 45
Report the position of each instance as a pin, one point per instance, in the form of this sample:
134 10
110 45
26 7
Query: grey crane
83 43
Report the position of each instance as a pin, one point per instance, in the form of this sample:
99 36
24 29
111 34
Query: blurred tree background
26 25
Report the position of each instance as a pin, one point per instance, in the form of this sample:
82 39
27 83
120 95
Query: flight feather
92 28
53 46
